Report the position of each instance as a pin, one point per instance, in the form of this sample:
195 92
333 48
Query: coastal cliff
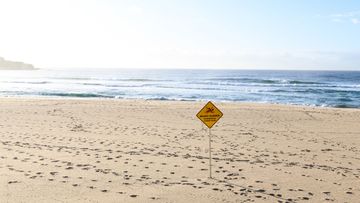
14 65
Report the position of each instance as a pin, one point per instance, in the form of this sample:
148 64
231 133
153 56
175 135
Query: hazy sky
280 34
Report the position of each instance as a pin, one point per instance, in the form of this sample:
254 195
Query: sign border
203 108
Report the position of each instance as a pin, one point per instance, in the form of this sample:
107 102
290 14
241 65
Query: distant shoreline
1 69
15 65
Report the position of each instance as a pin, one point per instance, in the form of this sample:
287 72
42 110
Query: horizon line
191 68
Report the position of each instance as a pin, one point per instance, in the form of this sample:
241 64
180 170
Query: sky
221 34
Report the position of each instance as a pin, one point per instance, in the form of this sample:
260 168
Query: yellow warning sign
209 114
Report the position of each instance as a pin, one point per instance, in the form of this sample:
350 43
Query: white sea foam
339 89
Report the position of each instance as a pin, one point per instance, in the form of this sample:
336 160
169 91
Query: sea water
314 88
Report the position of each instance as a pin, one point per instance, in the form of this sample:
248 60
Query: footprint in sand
12 182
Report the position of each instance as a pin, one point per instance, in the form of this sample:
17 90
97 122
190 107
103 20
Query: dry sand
54 150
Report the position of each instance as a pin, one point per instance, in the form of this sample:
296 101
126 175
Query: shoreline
169 100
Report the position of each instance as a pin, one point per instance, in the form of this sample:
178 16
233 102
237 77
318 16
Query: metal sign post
210 151
209 115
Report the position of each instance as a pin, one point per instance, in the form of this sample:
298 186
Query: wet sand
56 150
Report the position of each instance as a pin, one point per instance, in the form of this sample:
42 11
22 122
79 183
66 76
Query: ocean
311 88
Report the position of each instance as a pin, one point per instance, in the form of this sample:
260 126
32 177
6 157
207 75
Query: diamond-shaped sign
209 114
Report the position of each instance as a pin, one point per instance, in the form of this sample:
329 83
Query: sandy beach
57 150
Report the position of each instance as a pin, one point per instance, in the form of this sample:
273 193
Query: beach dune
74 150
